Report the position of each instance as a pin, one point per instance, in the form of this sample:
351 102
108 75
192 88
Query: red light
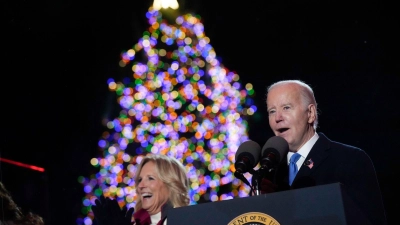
32 167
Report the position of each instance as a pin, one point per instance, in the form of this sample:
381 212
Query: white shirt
156 218
303 151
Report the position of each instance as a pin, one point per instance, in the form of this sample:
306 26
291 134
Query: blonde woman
161 184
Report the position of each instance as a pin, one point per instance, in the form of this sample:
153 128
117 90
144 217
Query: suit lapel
319 152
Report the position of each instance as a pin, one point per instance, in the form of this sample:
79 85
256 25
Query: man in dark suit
292 112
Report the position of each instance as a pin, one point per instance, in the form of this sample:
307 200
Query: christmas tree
179 100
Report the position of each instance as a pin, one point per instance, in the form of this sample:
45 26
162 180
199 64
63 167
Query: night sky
58 56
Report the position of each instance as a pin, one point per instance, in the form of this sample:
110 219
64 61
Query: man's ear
312 113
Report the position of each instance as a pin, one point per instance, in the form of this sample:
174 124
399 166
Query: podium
325 204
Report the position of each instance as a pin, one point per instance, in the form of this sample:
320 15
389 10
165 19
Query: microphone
247 156
273 152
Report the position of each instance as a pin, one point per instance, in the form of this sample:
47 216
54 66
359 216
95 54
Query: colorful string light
181 102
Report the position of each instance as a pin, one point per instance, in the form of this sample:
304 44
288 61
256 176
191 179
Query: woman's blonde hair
173 175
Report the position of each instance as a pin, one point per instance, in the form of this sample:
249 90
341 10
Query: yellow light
131 52
112 85
162 52
200 107
94 161
249 86
165 4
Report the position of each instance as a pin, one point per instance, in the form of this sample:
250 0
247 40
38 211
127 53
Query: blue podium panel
319 205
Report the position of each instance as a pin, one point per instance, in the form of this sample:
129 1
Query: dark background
57 57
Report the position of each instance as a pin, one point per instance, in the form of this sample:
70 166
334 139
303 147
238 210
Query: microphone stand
258 175
255 181
243 179
255 186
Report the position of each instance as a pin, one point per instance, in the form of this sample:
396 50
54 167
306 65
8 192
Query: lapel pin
309 163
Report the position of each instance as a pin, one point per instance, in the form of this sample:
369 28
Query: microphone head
247 156
276 145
